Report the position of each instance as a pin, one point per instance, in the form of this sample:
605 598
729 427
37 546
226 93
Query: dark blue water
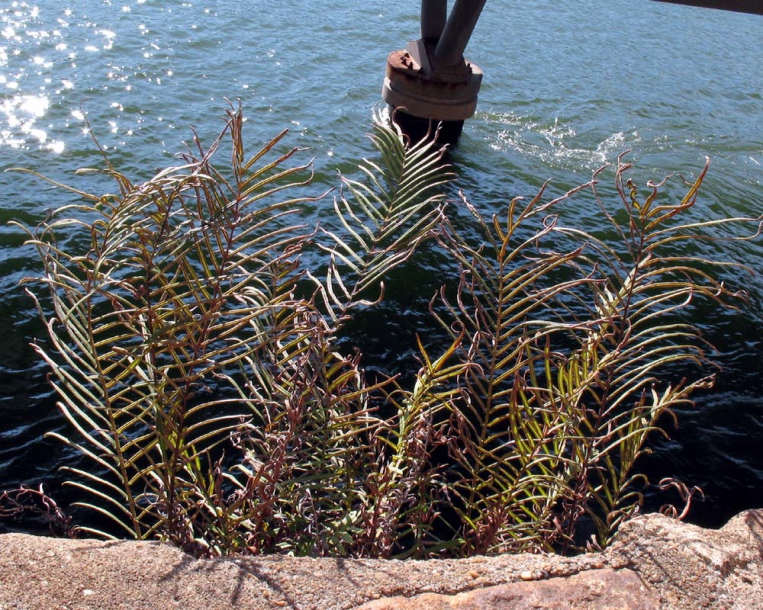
568 87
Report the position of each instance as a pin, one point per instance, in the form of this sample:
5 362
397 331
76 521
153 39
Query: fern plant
178 341
565 344
196 358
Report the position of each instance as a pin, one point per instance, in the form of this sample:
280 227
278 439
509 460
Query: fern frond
383 218
566 339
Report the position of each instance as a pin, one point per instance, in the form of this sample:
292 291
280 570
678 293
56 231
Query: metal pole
433 16
458 30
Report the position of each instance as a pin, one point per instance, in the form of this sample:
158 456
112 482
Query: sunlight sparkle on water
109 36
36 105
40 61
21 113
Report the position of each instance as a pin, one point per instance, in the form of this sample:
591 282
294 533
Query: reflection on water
21 113
30 63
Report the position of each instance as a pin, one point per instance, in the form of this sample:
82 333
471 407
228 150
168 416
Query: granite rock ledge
656 563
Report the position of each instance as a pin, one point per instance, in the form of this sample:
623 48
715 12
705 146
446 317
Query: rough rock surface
655 563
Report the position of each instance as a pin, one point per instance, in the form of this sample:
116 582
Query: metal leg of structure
434 14
458 30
